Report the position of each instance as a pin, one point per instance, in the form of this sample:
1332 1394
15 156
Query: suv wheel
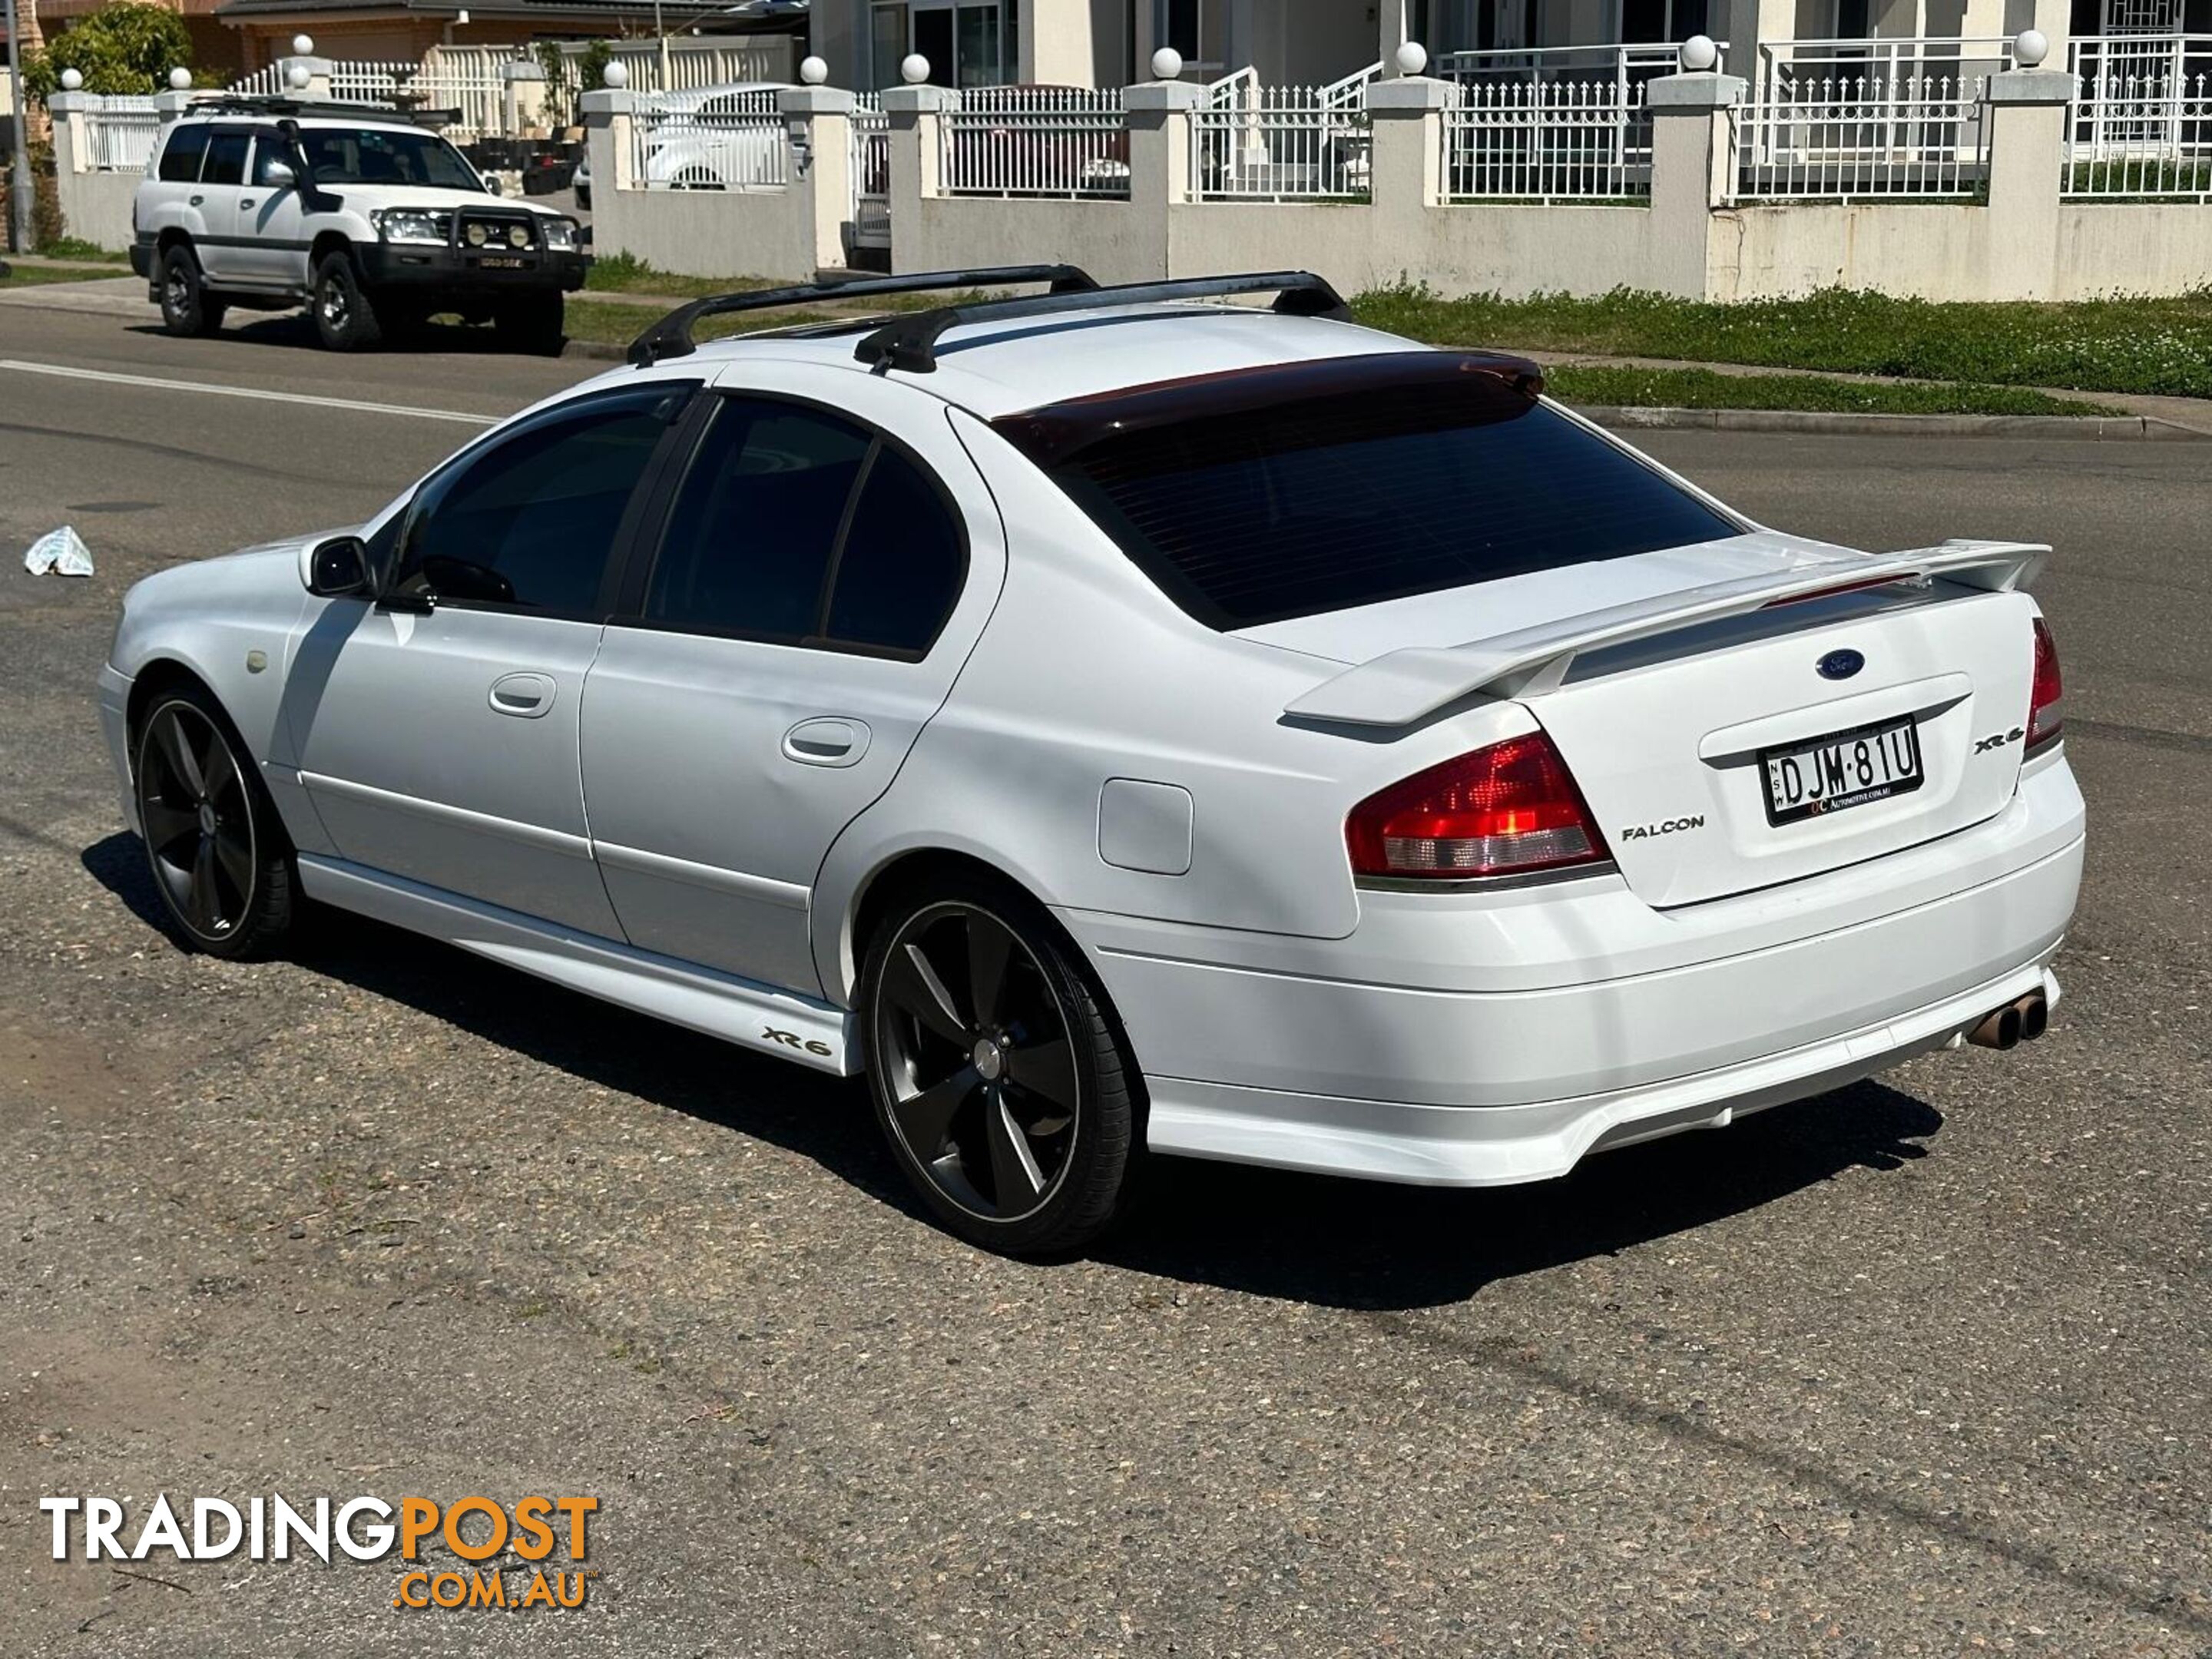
219 856
344 318
998 1075
187 306
532 321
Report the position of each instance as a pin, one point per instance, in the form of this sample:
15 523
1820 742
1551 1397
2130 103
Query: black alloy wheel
997 1075
217 854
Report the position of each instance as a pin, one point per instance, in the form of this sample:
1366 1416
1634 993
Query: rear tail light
1507 809
2043 703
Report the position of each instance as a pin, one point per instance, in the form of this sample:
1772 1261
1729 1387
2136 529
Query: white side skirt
739 1011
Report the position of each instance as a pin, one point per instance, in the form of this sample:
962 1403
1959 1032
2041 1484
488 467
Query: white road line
62 373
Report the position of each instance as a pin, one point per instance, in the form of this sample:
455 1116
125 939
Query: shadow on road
1307 1238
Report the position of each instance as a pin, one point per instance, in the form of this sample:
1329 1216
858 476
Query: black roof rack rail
255 103
671 336
910 343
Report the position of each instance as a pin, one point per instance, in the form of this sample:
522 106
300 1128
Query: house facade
971 43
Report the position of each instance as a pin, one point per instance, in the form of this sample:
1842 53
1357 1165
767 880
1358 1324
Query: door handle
524 695
245 201
196 200
826 740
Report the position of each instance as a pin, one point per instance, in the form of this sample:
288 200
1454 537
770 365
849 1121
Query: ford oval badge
1841 665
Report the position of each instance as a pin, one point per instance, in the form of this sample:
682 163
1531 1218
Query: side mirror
491 183
339 568
278 175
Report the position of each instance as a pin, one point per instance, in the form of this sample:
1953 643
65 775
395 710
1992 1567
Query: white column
2026 113
820 121
1405 168
1693 165
523 83
916 116
607 111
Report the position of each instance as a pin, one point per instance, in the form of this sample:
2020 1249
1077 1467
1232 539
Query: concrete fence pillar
318 77
1692 173
168 105
2026 113
607 111
1158 114
72 114
1406 125
916 116
820 122
523 86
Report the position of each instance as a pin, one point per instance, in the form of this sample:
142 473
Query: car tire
222 863
187 309
530 322
345 316
1000 1076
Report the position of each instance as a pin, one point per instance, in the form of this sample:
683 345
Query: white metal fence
1853 138
1280 144
870 172
693 64
119 135
1895 61
2137 136
1548 141
722 140
1036 141
467 79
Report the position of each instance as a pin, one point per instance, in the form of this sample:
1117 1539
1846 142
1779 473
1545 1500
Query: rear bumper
141 258
1500 1038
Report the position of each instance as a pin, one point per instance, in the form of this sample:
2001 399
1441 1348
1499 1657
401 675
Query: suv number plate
1845 769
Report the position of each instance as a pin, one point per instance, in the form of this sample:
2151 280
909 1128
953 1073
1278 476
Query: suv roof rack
910 343
255 103
671 336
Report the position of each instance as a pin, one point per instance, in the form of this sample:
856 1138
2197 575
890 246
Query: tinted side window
748 544
900 571
180 156
530 520
226 160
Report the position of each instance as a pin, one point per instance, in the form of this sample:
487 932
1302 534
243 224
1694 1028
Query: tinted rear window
1249 512
180 156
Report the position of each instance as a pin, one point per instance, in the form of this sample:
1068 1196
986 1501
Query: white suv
371 221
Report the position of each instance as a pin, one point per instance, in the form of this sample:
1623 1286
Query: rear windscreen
1259 514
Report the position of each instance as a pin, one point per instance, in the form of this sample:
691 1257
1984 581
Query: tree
126 46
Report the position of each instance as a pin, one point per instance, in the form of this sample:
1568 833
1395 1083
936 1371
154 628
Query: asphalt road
1918 1368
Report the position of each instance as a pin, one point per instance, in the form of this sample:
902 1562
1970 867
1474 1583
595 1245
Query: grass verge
26 275
2139 345
1701 388
625 273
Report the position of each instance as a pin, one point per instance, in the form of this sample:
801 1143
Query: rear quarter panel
1085 673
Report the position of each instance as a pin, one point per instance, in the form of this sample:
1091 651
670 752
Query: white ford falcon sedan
1114 719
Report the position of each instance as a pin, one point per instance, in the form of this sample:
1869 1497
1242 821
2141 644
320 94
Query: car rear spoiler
1401 687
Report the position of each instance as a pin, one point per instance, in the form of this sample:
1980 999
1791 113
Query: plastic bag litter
62 551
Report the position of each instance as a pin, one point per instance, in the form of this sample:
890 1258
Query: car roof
352 121
1000 367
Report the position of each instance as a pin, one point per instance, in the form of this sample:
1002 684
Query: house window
969 43
1642 21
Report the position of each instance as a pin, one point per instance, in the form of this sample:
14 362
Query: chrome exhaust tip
1999 1028
2034 1016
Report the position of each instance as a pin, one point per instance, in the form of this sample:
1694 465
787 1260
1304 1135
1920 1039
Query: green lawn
22 276
1701 388
2086 345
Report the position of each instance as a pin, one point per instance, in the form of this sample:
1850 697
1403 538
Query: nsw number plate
1845 769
